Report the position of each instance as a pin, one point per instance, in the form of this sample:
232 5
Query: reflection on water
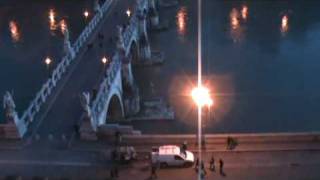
181 20
234 14
236 31
63 26
14 30
284 25
244 12
52 20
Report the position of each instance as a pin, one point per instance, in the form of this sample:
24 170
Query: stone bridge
118 95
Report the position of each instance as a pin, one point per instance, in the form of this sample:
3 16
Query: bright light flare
201 96
244 12
128 12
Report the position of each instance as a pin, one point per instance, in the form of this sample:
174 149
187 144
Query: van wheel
163 165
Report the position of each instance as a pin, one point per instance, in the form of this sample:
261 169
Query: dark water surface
261 60
27 37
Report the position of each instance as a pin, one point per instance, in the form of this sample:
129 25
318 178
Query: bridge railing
61 68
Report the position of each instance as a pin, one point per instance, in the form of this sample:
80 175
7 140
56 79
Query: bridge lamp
104 60
48 61
128 12
86 14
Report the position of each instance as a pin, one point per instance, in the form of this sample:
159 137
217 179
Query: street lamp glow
104 60
48 61
201 96
128 12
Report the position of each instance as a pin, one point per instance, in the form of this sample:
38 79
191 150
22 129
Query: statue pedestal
86 131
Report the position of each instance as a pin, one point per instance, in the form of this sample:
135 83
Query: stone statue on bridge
120 42
85 103
9 106
67 45
97 7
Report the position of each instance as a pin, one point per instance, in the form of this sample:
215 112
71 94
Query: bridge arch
134 53
114 109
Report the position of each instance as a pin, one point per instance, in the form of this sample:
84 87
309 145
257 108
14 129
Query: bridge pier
14 128
147 57
153 14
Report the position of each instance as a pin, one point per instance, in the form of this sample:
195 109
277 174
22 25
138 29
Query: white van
171 155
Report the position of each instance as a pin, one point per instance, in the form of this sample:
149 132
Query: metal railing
61 68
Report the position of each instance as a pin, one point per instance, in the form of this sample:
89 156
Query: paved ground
259 165
282 165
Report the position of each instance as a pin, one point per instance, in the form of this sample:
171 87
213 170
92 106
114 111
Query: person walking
154 171
203 171
196 165
118 138
212 167
221 163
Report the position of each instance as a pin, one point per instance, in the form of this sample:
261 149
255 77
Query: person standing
184 148
221 164
118 137
212 167
154 171
196 164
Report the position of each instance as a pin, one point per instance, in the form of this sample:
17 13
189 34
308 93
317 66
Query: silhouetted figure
90 46
221 164
116 172
77 129
112 173
212 167
184 148
118 137
196 164
153 171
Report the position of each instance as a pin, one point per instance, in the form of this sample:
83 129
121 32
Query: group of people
212 167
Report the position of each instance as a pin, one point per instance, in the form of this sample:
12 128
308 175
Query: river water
261 60
30 31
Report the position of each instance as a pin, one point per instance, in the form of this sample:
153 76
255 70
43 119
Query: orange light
201 96
52 20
